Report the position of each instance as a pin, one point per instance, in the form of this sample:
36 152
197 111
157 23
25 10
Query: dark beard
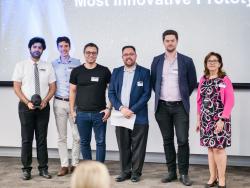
172 50
35 55
128 65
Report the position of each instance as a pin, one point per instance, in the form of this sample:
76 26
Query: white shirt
24 73
128 77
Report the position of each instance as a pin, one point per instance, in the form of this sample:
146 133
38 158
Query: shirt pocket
44 76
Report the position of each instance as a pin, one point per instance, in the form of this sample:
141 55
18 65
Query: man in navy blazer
129 92
173 79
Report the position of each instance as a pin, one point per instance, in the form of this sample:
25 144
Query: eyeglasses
130 54
213 61
88 53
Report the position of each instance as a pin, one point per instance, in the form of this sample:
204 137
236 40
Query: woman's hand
219 126
198 126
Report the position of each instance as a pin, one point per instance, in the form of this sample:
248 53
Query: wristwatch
223 119
109 108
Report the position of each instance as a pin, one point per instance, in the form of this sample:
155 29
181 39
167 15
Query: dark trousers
170 117
34 121
132 147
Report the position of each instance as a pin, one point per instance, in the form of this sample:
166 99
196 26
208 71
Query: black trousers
132 147
170 117
34 121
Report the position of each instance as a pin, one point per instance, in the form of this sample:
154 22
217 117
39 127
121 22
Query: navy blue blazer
139 95
186 77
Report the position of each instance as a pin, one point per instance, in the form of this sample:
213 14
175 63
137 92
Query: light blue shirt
62 71
128 77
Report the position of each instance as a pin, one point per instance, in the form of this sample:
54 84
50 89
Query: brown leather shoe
72 168
63 171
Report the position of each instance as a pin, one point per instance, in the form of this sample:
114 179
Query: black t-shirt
91 87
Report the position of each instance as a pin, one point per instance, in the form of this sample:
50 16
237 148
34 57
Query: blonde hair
90 174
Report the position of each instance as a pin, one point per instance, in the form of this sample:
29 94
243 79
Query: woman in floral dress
215 100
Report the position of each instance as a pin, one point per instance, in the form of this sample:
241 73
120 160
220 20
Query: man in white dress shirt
34 76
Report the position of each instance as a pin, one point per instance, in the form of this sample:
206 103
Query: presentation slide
222 26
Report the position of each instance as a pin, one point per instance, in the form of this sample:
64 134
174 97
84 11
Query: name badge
42 69
222 85
94 79
140 83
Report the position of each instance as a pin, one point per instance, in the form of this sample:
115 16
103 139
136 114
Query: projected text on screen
119 3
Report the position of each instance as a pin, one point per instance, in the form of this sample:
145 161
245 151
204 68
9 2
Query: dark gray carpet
10 173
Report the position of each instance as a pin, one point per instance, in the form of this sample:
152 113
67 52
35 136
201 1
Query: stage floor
10 176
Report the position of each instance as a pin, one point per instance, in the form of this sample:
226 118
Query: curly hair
37 40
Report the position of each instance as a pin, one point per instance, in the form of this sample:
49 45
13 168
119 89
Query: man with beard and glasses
88 84
173 79
34 76
129 92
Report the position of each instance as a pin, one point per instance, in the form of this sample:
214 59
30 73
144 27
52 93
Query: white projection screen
203 26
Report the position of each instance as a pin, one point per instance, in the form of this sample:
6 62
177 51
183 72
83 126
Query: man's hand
73 115
107 114
43 104
30 105
127 113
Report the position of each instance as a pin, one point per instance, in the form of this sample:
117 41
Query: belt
62 99
170 103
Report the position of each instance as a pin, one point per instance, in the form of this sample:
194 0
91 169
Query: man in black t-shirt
88 84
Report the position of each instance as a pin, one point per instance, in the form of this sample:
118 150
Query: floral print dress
211 110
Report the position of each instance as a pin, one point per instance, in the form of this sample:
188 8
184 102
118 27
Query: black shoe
185 180
135 178
26 175
207 185
121 178
45 174
171 176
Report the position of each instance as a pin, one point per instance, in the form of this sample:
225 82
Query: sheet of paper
117 119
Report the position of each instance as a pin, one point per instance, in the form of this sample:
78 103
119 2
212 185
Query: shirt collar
33 62
175 56
60 62
132 69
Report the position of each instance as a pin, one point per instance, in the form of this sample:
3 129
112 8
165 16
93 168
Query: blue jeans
85 122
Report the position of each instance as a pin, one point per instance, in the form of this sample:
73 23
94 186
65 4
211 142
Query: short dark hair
221 73
90 45
62 39
128 46
169 32
37 40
